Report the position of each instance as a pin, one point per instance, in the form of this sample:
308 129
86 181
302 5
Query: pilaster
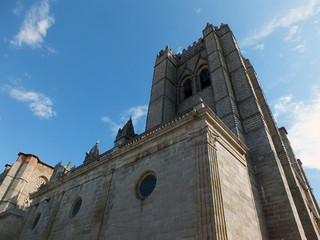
210 219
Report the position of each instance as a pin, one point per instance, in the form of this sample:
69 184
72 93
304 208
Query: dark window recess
36 220
204 78
187 89
75 207
147 186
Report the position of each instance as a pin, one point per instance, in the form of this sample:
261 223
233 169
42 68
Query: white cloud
113 126
260 46
303 131
18 9
197 10
292 34
136 113
39 104
295 15
301 48
281 106
34 27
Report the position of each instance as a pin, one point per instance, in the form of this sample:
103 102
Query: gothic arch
203 77
186 88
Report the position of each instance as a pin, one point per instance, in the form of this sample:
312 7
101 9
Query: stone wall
182 203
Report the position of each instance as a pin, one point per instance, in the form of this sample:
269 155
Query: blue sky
72 74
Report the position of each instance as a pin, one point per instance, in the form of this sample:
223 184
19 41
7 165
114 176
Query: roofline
35 156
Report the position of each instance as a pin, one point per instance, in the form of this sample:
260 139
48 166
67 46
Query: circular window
36 220
146 185
75 207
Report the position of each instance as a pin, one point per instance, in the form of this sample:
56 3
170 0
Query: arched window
187 89
204 78
41 181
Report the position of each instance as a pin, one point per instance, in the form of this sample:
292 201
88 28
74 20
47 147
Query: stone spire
125 134
93 154
68 167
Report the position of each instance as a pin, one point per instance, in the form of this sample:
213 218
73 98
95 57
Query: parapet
190 51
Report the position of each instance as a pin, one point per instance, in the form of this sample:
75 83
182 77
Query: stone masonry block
219 84
248 107
159 72
233 61
241 85
223 107
210 43
228 43
170 91
154 118
215 61
171 72
157 89
170 109
252 123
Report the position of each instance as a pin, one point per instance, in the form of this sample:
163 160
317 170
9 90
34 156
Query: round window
75 207
36 220
146 185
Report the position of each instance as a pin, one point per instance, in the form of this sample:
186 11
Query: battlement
190 51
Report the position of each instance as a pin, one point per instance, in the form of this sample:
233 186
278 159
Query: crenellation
190 52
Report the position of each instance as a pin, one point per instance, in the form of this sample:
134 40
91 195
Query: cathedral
211 164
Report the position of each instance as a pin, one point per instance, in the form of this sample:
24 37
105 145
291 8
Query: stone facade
17 182
218 166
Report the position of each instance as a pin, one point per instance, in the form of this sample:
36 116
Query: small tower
125 134
93 154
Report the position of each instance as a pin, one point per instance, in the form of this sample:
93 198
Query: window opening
204 78
146 185
75 207
187 89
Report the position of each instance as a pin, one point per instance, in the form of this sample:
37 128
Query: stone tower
17 182
214 70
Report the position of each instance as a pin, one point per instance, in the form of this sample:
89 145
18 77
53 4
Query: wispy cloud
260 46
197 10
18 8
301 48
114 127
34 27
281 106
304 129
38 103
292 34
136 113
293 16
